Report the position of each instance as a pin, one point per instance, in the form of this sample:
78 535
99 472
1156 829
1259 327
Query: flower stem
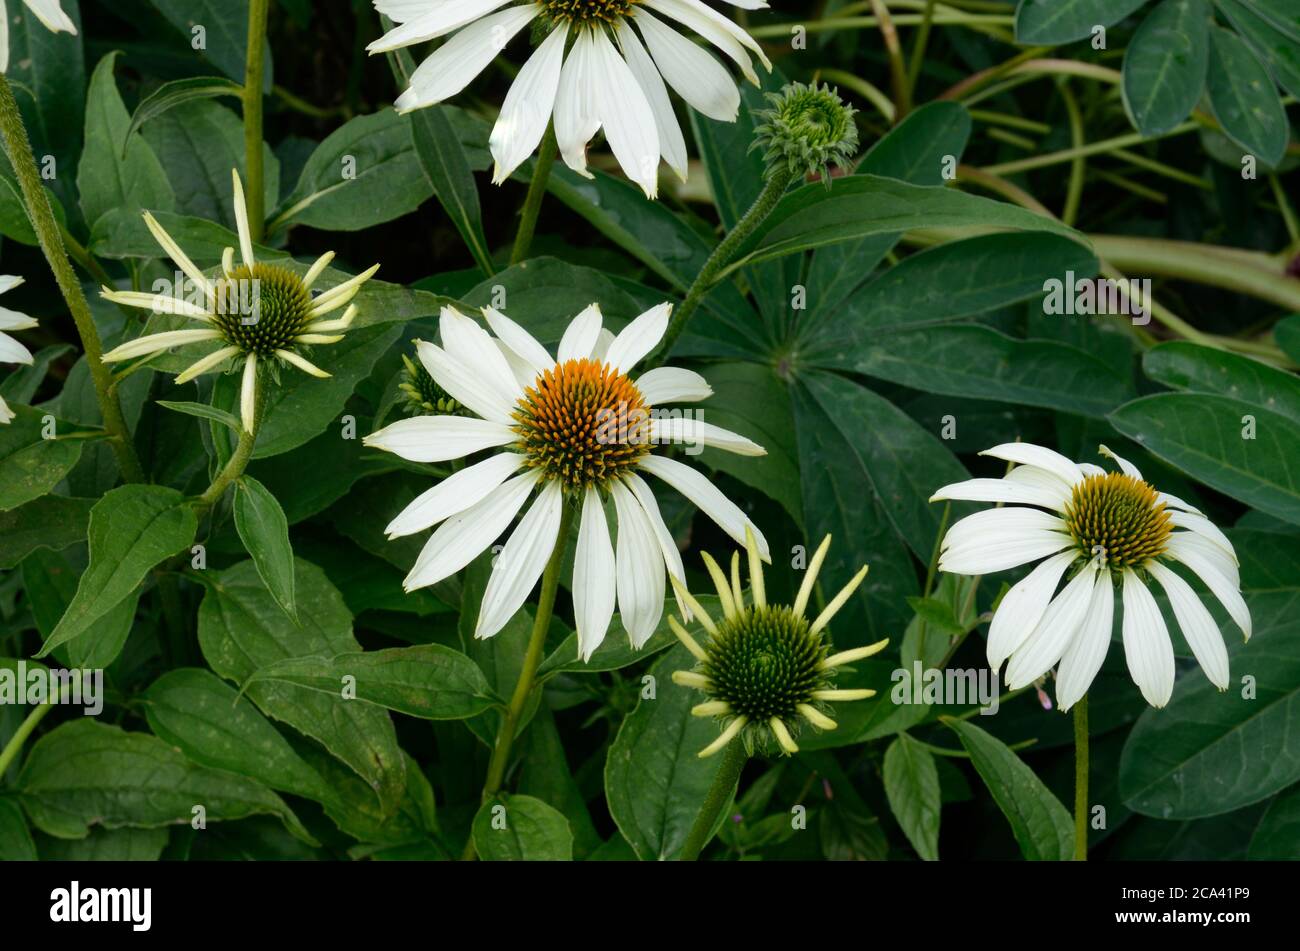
717 799
238 460
532 660
19 150
721 257
1081 780
10 752
257 13
536 191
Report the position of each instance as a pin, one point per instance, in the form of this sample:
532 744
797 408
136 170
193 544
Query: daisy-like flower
591 71
580 431
47 11
259 312
11 351
766 668
1101 531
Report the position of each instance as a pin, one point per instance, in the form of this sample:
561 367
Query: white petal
1223 589
455 64
152 343
625 113
11 351
203 365
593 576
157 303
700 19
1004 490
182 260
1022 608
528 105
639 564
439 438
707 498
1125 466
1174 502
13 320
241 220
604 340
1030 455
6 414
635 341
1087 649
672 557
672 146
581 335
1039 479
1190 541
51 15
454 494
8 282
693 73
1059 623
519 340
577 114
465 384
459 539
438 21
1205 528
1002 555
672 385
472 346
522 561
523 373
1147 647
248 393
1197 624
693 432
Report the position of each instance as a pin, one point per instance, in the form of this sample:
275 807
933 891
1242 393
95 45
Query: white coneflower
766 668
258 311
579 430
47 11
1103 530
11 351
591 71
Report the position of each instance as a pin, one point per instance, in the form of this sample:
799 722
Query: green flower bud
807 130
424 397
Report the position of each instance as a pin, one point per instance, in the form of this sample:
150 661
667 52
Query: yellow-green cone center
262 310
1118 518
764 663
587 11
583 423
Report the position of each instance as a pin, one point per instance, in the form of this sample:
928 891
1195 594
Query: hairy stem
256 197
239 459
718 798
1081 780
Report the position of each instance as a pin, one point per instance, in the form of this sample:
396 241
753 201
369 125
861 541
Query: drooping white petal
1003 490
439 20
1060 622
152 343
635 341
580 336
1022 607
672 557
11 351
402 11
988 529
9 281
1174 502
577 113
14 320
701 21
519 340
1086 651
1147 648
455 64
241 220
51 15
625 113
672 385
692 432
672 145
528 105
694 74
248 393
454 494
639 565
439 438
1217 581
1205 528
707 498
459 540
472 346
464 383
522 561
593 575
1003 555
1028 454
1196 623
1190 541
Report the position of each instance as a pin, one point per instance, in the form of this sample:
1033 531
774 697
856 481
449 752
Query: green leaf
1287 335
1165 66
30 464
354 809
132 529
1056 22
16 843
521 829
615 651
177 92
121 234
52 521
116 171
1244 99
1281 14
1040 823
366 172
1243 449
427 680
85 774
225 33
265 533
655 780
912 787
112 845
1198 369
861 205
442 157
14 222
204 411
242 629
204 717
1277 837
1279 51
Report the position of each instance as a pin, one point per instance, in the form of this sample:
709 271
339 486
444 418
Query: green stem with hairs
10 752
514 712
536 192
252 97
1081 780
721 257
716 800
239 459
37 202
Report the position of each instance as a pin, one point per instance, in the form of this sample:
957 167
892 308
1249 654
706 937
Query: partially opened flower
580 431
1100 531
259 312
11 351
767 669
591 72
49 12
